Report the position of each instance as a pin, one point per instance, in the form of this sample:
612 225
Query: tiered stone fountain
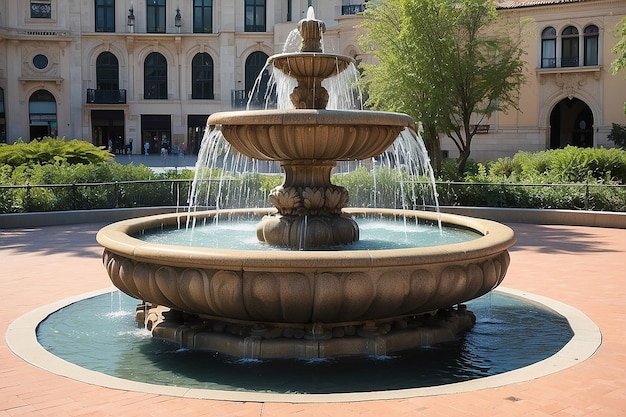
314 302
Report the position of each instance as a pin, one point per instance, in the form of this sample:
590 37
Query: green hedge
570 178
544 179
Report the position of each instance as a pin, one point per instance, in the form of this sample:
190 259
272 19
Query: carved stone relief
570 83
29 70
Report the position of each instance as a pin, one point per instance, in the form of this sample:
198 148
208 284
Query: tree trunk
461 162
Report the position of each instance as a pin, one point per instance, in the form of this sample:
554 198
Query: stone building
152 71
570 96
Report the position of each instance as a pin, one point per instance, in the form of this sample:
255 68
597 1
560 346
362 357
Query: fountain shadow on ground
76 240
556 239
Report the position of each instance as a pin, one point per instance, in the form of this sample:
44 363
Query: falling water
402 176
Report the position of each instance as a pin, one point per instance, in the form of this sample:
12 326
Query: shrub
50 150
618 135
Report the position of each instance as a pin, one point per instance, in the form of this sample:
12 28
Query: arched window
107 72
202 77
42 114
548 48
569 47
254 65
155 77
591 35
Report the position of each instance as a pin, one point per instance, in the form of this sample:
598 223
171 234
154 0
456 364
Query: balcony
480 129
238 99
564 62
106 96
352 9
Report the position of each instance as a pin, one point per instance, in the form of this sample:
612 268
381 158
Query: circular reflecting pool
100 334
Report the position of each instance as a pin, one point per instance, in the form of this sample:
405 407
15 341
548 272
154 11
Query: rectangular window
40 9
569 57
155 18
591 51
255 16
548 53
202 16
105 15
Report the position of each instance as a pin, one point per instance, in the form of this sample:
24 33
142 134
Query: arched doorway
42 115
571 123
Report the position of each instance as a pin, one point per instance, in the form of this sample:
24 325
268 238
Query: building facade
147 73
142 71
570 96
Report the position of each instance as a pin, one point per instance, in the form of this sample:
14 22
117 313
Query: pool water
374 234
100 334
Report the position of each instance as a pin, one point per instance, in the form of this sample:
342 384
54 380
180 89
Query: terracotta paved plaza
580 266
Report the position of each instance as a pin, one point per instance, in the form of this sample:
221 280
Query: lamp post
178 20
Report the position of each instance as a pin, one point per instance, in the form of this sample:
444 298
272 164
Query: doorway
108 125
571 124
42 109
156 132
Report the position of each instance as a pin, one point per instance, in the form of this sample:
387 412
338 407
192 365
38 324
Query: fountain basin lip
311 117
310 55
313 65
117 238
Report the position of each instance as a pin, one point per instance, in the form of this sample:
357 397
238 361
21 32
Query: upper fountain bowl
312 64
335 135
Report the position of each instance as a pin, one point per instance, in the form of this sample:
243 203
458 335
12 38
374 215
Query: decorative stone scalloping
307 297
309 200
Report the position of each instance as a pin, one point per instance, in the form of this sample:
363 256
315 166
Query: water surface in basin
100 334
375 234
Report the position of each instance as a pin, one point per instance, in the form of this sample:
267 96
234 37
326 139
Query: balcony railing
480 129
238 99
352 9
106 96
564 62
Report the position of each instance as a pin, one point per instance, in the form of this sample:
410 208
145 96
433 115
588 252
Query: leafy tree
443 62
394 83
620 50
618 135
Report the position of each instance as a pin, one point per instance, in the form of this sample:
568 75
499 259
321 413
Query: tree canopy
447 63
620 50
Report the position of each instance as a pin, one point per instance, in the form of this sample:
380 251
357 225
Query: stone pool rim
21 337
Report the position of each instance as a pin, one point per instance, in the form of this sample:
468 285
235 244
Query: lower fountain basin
300 287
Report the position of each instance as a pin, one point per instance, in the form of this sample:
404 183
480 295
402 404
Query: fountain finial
311 31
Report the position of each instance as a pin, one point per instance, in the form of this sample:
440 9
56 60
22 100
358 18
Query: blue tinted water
100 334
375 234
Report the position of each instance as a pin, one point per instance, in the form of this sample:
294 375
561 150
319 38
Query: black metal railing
238 99
564 62
352 9
157 193
106 96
